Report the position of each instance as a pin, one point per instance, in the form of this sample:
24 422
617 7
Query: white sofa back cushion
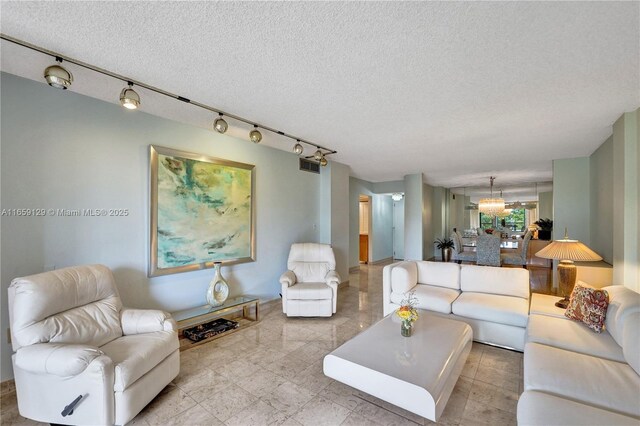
404 277
439 274
622 302
488 279
631 337
310 262
71 305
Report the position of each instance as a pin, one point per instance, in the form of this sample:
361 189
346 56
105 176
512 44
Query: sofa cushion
541 409
491 307
487 279
309 271
631 340
439 274
602 383
622 302
588 306
135 355
566 334
432 298
404 277
309 291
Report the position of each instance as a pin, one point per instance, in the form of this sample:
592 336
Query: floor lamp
567 251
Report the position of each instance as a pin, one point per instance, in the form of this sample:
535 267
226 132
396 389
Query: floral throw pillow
588 305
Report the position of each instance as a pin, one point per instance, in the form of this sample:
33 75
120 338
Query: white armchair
72 338
310 286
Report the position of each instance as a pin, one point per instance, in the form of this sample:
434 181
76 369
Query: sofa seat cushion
573 336
309 291
432 298
599 382
492 307
135 355
541 409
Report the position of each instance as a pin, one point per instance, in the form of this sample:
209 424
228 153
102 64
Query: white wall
64 150
601 193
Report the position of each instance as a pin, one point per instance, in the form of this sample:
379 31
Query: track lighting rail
59 57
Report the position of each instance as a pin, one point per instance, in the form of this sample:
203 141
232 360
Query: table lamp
567 251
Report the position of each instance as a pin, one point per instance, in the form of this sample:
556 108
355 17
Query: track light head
255 134
57 76
129 98
318 155
323 161
297 148
219 124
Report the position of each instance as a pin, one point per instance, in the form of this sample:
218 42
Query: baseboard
354 269
378 262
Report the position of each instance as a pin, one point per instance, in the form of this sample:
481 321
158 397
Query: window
515 221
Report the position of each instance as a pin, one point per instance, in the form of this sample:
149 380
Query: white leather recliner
72 338
310 286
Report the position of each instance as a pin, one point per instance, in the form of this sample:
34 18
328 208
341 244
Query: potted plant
444 245
546 226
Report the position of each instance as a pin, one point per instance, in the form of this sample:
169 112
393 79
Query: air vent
309 166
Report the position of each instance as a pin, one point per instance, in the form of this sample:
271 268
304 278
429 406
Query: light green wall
571 199
626 256
427 222
545 205
601 194
413 217
381 218
64 150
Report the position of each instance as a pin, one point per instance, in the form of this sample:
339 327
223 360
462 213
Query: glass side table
243 309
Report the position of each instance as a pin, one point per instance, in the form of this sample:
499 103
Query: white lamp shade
568 250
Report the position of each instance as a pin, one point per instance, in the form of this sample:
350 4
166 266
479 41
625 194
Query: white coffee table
416 373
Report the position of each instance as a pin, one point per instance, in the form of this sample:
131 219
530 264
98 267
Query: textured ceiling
456 90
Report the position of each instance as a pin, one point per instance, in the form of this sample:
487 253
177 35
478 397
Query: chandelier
491 206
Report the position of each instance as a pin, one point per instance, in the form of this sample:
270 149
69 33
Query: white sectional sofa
575 376
493 301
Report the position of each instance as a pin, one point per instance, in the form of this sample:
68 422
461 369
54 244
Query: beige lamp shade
567 249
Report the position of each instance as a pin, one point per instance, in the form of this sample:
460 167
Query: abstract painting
201 211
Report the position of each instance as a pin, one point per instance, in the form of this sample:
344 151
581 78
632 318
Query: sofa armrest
288 278
139 321
59 359
332 277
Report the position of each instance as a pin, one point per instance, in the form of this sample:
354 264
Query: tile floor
271 373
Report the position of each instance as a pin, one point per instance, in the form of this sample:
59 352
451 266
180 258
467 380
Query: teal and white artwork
202 211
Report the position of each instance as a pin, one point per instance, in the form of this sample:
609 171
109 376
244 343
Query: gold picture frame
202 210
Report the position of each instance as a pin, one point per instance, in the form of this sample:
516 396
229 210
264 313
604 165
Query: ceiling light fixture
255 134
318 155
219 124
397 196
297 148
323 161
57 76
491 206
129 98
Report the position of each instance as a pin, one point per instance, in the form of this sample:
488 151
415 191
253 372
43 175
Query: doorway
398 229
364 218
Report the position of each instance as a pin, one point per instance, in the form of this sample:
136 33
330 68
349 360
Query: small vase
446 254
218 289
406 327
